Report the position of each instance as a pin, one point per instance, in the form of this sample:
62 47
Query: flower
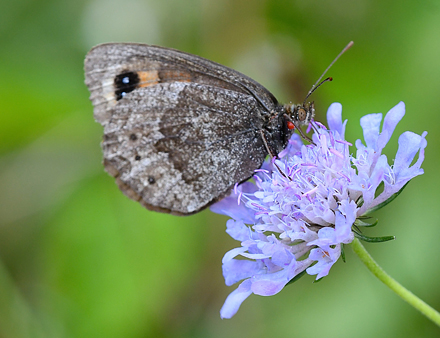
306 204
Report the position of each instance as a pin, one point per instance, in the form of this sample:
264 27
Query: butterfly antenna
316 85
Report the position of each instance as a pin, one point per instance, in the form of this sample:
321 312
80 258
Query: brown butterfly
179 130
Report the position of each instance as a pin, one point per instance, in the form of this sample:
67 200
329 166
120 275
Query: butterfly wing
179 130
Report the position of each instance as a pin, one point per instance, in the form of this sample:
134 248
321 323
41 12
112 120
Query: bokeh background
79 259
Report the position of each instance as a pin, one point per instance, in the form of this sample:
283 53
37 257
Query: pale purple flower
297 220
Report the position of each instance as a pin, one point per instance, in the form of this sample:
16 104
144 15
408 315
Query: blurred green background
79 259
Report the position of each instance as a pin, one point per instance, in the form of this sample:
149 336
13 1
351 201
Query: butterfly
179 130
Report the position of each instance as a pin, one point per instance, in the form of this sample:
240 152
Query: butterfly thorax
276 130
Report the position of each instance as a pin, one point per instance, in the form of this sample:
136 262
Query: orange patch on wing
149 78
153 77
174 75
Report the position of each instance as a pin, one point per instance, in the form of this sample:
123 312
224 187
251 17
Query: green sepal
373 239
318 280
360 201
364 217
342 252
384 203
361 223
298 276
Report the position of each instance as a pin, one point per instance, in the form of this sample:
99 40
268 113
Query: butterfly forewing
179 130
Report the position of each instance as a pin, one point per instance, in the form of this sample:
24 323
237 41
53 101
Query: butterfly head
300 114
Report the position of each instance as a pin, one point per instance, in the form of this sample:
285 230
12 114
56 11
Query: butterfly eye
302 114
151 180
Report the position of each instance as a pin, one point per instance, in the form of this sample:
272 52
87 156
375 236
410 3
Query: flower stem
405 294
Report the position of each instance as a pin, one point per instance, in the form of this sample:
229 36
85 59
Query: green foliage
78 259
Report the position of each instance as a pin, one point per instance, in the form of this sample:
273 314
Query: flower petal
371 126
237 230
229 205
409 144
231 254
326 258
392 118
234 300
271 283
237 269
334 118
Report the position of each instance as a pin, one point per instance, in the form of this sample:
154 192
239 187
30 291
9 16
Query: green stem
406 295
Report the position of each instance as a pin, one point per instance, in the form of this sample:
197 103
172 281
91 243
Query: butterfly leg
272 155
297 127
266 145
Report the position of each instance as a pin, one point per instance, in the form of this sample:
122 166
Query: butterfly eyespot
137 158
133 137
290 125
125 83
151 180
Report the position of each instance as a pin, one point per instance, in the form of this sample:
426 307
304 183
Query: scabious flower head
305 205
